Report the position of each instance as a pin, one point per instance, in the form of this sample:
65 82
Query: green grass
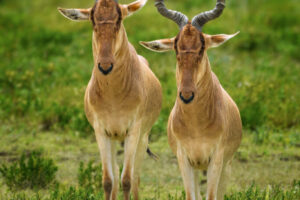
263 163
46 62
274 193
31 171
252 193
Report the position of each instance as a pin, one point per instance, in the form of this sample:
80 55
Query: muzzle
107 71
185 99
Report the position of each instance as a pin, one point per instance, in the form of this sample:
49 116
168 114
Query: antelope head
190 46
106 17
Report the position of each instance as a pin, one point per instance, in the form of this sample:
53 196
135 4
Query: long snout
187 89
105 62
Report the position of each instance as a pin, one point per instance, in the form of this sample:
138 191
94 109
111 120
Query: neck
204 84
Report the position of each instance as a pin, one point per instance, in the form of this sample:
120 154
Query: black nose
105 72
186 101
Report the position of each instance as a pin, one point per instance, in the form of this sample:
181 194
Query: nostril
186 95
105 71
186 98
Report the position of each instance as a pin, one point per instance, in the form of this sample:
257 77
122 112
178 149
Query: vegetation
88 179
274 193
91 176
46 62
30 171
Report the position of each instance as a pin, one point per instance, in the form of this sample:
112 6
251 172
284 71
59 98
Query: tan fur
122 105
208 131
204 133
125 105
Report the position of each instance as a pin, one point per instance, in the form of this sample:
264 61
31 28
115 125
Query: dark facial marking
187 101
175 43
201 52
105 72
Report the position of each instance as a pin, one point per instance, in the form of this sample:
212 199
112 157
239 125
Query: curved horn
180 19
199 20
114 0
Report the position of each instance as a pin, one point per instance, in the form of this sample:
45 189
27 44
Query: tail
149 152
152 155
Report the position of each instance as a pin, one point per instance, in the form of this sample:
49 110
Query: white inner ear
141 5
74 14
157 46
226 38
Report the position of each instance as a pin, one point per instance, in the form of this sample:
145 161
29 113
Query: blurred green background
46 62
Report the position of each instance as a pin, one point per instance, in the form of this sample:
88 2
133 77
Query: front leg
213 176
225 175
139 156
188 174
107 148
130 147
197 186
115 168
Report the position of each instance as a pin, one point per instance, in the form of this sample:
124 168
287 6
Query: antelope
204 127
123 97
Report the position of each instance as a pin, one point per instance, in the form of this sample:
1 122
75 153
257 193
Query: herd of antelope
123 100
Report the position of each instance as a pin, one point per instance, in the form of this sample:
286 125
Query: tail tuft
152 155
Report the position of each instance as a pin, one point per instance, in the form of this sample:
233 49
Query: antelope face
190 45
106 17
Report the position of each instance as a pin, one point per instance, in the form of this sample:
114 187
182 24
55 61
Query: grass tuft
30 171
90 176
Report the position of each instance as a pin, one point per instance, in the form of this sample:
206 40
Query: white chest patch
114 125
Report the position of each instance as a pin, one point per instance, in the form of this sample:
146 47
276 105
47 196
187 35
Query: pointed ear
216 40
160 45
131 8
76 14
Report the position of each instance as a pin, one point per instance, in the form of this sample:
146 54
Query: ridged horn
114 0
180 19
199 20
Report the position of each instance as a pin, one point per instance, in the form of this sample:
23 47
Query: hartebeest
123 97
204 127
